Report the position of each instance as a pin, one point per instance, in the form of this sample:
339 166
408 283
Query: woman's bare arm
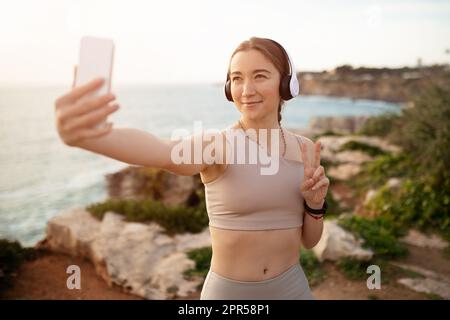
142 148
312 229
77 113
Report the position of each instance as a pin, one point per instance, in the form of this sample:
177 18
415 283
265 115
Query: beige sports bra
242 198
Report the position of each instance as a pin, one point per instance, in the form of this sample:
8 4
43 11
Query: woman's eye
238 78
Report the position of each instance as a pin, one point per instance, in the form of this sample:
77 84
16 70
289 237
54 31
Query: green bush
416 203
376 173
357 270
364 147
352 268
379 234
446 253
434 296
326 133
389 165
334 207
176 219
202 258
312 267
379 125
326 164
12 255
424 133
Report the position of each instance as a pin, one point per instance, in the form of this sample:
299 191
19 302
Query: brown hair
272 52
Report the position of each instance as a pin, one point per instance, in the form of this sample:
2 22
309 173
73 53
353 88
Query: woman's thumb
74 76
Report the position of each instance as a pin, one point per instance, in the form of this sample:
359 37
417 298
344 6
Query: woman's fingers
317 147
92 118
88 133
87 105
315 162
321 183
319 172
92 85
305 157
74 77
307 185
78 92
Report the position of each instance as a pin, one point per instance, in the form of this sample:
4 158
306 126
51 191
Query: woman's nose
248 88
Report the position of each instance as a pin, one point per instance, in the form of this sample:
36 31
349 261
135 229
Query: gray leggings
291 284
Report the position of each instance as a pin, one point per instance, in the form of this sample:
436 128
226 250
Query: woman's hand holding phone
79 112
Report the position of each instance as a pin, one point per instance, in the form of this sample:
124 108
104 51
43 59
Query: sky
175 41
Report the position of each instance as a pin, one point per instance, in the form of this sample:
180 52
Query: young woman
257 222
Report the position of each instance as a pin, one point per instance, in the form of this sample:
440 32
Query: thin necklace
282 135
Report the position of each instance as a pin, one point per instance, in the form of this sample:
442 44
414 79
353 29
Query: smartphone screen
95 60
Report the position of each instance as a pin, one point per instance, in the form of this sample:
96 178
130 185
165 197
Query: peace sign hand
315 184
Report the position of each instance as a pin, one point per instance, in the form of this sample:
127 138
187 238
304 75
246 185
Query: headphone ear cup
228 91
285 91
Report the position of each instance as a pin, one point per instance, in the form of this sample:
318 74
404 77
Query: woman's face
254 79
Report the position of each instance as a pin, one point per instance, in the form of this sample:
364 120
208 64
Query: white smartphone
96 59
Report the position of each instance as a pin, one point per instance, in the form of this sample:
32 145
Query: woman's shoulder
296 139
220 151
300 138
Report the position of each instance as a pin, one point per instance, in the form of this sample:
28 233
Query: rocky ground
45 278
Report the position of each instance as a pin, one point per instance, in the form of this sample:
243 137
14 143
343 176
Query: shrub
202 258
326 133
357 270
379 234
353 268
176 219
415 203
446 253
334 208
380 125
424 133
376 173
364 147
312 267
12 255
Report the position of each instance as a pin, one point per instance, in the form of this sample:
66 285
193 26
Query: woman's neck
255 126
259 124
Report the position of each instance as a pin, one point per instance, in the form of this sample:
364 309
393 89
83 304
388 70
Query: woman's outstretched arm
142 148
77 114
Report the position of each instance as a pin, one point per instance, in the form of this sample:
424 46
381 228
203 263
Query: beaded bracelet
314 216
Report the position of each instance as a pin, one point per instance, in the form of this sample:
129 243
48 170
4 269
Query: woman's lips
252 104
